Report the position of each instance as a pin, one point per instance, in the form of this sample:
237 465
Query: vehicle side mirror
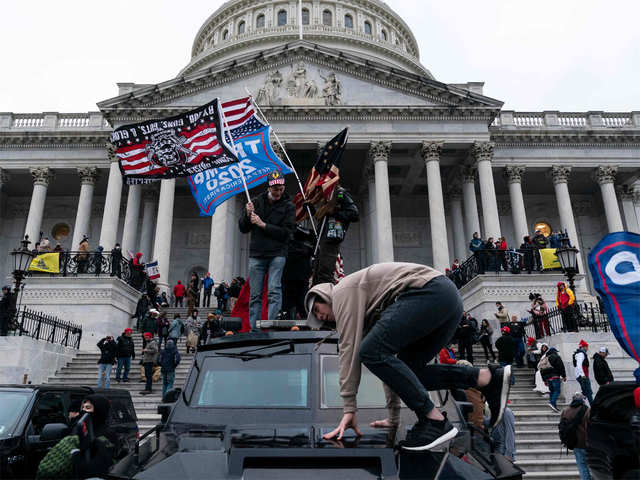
54 431
172 395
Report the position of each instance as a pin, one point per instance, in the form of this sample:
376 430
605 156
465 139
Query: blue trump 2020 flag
256 159
615 268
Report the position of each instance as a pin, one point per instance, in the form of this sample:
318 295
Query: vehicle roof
260 338
71 388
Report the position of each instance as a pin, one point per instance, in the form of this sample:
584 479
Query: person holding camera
336 224
108 351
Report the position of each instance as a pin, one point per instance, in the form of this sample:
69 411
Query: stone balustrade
53 121
568 120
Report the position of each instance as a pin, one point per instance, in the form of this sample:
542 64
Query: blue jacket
175 329
476 244
207 283
169 358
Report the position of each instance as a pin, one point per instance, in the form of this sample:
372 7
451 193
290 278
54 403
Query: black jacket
506 348
346 210
125 347
601 370
280 217
557 366
211 329
107 351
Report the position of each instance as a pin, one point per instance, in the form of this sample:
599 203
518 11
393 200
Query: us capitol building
428 162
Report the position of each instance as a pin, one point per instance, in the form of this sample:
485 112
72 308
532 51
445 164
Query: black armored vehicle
255 406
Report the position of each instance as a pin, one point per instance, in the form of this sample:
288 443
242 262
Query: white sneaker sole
446 437
504 395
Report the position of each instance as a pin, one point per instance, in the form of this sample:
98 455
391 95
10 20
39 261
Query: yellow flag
549 259
47 262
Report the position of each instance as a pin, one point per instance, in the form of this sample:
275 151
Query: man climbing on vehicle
395 318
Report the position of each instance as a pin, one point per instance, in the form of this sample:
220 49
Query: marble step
555 475
554 464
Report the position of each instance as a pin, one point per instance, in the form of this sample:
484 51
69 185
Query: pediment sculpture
299 87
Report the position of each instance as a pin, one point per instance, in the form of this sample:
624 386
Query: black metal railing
580 317
99 264
48 328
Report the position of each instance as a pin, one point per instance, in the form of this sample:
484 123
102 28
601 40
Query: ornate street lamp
568 257
22 258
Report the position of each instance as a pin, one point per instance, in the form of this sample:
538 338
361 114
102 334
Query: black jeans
148 373
488 348
206 298
415 328
465 350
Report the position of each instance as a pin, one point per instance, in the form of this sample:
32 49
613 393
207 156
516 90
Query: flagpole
233 145
300 17
259 110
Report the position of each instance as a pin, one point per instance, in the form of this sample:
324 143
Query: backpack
568 429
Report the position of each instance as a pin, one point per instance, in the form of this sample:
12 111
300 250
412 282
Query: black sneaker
497 392
428 434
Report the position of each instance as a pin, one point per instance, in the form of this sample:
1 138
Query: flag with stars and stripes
182 145
323 178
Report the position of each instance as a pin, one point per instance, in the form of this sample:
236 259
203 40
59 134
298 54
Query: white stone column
560 176
221 249
41 178
628 209
88 178
514 174
164 227
371 214
459 238
439 244
606 177
483 155
379 152
111 215
149 200
131 219
471 218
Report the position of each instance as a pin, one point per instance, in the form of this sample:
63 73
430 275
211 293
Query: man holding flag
270 218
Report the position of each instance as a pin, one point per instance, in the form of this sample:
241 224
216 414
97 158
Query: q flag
257 160
179 146
615 267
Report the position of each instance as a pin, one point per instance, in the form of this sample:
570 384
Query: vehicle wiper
247 355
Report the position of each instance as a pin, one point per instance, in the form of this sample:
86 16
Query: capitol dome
368 28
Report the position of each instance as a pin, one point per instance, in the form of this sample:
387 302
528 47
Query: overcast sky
568 55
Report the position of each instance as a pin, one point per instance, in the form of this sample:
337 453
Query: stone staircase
83 370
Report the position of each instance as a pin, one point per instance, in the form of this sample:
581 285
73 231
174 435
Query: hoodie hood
138 255
561 284
325 292
101 407
552 350
170 346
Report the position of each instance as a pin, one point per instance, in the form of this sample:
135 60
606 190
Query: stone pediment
299 75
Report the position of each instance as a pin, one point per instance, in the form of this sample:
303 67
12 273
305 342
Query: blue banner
213 187
615 267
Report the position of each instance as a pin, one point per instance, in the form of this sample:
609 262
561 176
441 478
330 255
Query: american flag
324 176
338 271
194 141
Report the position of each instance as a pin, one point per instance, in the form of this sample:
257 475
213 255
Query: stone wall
102 305
39 360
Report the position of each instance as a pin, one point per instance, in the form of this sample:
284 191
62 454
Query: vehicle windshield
12 404
370 392
273 382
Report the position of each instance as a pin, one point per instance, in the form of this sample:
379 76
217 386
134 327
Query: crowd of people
198 293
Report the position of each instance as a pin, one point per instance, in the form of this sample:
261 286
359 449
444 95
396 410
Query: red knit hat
505 330
583 344
530 340
148 335
127 331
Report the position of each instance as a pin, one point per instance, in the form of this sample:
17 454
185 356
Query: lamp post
21 260
568 257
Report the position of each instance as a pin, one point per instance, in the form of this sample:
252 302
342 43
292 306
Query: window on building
260 21
241 27
225 35
327 18
348 21
383 34
305 16
367 28
282 18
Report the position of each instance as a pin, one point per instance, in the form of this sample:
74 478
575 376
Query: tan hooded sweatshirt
356 302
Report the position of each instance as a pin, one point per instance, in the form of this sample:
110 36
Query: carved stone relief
298 87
